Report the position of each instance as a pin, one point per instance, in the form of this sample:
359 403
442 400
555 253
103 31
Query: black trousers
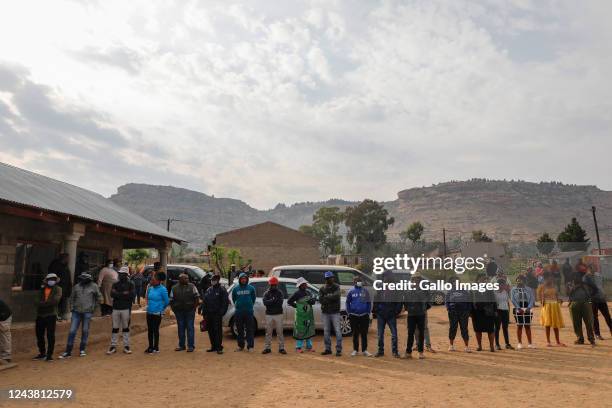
360 326
45 325
153 323
215 331
413 323
502 320
603 308
458 318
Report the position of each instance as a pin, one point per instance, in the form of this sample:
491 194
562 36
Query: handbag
203 325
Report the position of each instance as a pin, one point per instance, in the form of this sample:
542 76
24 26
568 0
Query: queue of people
490 312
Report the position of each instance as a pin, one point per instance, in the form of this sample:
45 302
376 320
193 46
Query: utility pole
169 221
596 230
444 240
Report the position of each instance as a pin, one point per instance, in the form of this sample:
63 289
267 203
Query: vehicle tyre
345 325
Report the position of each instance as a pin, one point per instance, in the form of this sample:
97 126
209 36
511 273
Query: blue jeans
392 323
300 344
184 321
331 320
75 322
245 323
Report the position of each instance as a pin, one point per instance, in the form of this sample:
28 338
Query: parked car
288 287
314 274
195 274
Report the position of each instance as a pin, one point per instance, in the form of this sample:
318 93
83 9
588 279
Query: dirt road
560 377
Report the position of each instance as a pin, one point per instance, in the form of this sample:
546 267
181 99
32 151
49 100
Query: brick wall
270 244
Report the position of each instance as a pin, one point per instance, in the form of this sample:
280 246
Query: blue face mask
51 283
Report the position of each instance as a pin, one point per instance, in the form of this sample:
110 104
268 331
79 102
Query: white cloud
310 100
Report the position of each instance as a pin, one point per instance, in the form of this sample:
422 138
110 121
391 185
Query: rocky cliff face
505 210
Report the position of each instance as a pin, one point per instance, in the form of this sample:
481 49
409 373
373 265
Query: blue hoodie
157 299
244 296
358 301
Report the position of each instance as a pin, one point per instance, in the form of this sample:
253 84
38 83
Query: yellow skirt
551 316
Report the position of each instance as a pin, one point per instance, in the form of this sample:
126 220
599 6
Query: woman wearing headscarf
304 325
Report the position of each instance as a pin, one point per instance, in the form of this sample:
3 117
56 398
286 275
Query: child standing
551 308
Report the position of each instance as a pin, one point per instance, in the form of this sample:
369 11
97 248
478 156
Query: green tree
217 256
233 256
545 244
135 257
479 236
573 237
325 227
367 224
414 232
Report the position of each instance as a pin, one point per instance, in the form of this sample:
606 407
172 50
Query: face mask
359 284
51 283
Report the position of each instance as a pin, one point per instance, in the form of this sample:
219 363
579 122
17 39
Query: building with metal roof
41 218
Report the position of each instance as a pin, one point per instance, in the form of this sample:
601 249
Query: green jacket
48 307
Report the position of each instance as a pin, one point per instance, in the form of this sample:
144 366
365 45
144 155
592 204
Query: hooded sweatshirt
358 301
243 296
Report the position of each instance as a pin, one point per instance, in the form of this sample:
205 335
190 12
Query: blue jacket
516 294
358 301
243 297
157 299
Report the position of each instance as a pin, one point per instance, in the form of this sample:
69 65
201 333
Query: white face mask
359 284
51 283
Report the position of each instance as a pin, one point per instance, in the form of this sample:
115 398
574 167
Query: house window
31 263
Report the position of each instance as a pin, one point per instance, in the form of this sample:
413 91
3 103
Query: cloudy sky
272 101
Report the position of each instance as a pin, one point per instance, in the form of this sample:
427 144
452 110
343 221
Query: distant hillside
505 210
207 215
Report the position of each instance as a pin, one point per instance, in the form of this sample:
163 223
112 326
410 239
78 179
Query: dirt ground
560 377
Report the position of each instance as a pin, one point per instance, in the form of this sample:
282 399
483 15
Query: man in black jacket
122 293
329 297
184 300
273 300
214 307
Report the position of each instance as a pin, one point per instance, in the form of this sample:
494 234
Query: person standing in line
107 277
273 301
523 300
387 307
550 316
502 317
417 303
428 346
359 307
59 267
329 297
6 318
157 302
122 293
46 302
304 323
599 301
581 309
244 296
483 314
184 300
84 299
214 306
459 306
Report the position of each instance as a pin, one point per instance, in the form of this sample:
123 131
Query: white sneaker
367 353
354 353
468 350
451 348
519 346
82 353
531 346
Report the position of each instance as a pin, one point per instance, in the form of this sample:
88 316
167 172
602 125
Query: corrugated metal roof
26 188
